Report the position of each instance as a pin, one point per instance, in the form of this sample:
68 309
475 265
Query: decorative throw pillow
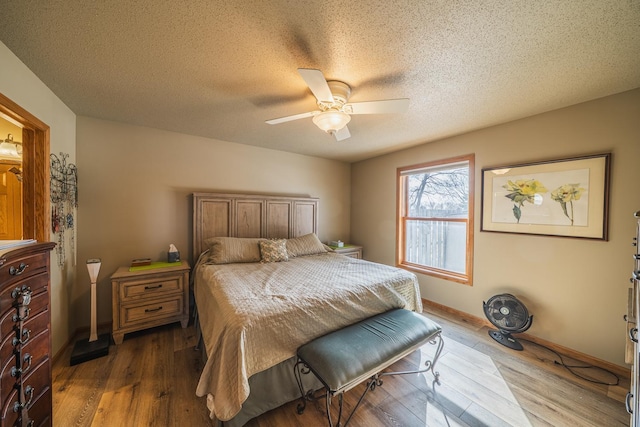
274 250
309 244
226 250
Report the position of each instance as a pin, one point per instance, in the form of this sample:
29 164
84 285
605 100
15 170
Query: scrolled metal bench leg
428 365
328 409
374 382
436 356
299 369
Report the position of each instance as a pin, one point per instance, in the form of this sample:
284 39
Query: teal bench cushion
344 358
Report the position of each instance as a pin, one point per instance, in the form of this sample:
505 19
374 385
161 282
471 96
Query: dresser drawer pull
17 341
25 314
149 288
24 292
28 390
633 334
17 372
627 402
26 359
18 271
152 310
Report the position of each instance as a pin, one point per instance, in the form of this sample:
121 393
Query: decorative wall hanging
64 201
565 197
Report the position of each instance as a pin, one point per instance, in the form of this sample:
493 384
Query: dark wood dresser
25 339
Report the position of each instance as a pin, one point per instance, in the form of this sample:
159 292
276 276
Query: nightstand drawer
151 311
352 251
149 289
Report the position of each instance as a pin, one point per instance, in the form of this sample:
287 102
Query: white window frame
402 216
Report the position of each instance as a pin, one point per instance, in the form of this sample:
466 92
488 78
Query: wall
135 185
576 288
23 87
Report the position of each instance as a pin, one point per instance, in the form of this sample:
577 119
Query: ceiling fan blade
342 134
317 83
291 118
378 107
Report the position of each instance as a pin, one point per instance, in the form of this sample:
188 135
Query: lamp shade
331 121
93 266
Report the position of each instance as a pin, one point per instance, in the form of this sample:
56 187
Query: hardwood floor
150 380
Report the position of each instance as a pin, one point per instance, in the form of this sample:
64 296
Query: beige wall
23 87
575 288
134 187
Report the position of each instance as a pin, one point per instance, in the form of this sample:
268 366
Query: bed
264 285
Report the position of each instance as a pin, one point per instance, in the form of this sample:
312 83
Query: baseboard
621 371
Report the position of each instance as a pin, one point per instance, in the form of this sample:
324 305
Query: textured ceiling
219 69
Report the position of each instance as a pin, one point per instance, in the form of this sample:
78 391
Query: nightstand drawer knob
148 288
152 310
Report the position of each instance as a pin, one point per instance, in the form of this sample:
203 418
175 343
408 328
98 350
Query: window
435 218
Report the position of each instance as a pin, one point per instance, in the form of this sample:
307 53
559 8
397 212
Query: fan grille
507 313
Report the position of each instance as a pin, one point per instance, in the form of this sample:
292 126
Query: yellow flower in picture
567 194
523 190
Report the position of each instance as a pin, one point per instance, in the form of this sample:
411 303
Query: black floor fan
510 316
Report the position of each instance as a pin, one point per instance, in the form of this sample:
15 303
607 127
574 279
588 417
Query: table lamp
96 346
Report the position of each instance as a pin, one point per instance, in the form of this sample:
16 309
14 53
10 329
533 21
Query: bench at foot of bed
344 358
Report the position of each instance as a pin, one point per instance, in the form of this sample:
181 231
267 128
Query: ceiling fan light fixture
331 121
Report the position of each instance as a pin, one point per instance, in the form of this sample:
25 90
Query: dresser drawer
39 303
40 410
23 267
40 407
150 288
37 349
36 325
37 283
151 311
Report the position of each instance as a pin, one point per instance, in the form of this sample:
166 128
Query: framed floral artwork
564 197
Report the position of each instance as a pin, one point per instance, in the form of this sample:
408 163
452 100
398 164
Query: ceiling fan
334 109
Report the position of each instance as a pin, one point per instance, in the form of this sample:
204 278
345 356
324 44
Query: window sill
434 272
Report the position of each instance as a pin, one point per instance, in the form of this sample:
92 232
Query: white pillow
226 250
309 244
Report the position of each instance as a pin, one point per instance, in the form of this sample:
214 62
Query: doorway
34 185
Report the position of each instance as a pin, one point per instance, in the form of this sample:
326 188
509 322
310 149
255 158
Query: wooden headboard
251 215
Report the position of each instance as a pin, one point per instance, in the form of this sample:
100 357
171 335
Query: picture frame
566 197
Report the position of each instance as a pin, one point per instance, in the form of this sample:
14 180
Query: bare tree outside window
431 193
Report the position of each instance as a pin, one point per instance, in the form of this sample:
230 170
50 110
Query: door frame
35 170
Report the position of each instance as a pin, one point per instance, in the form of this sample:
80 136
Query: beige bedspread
254 316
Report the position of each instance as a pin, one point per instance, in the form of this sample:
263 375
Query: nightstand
146 298
353 251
